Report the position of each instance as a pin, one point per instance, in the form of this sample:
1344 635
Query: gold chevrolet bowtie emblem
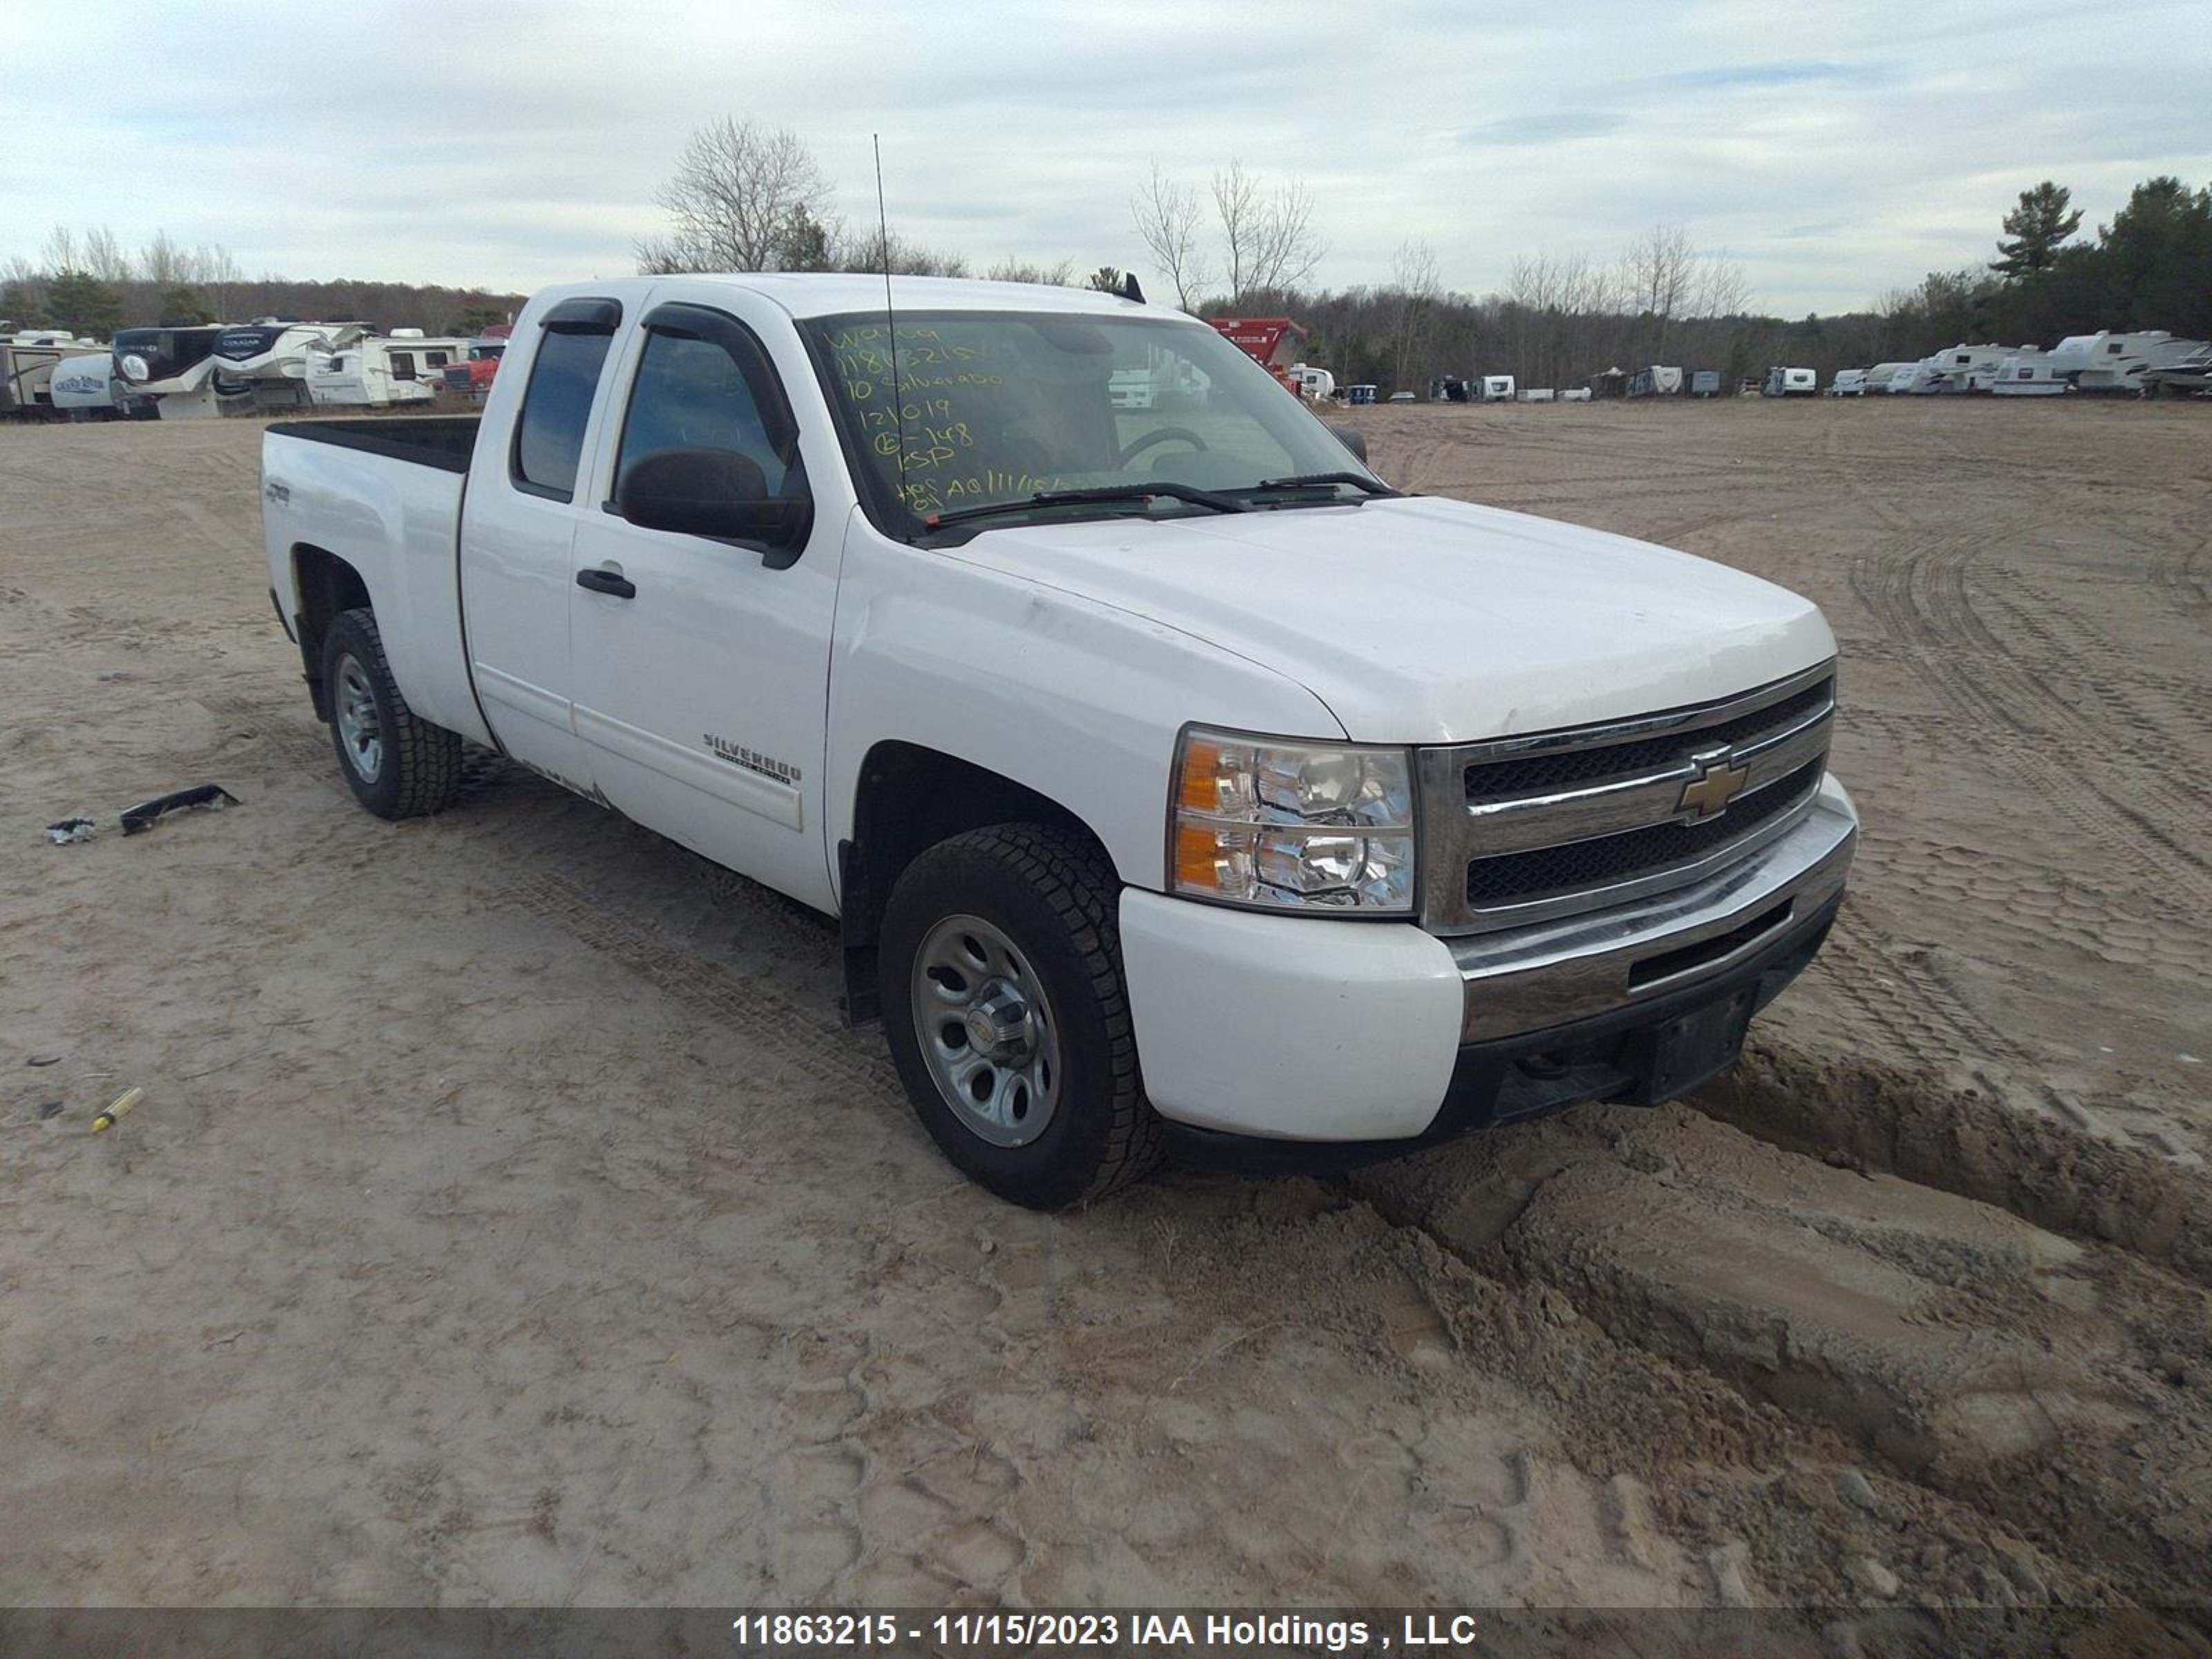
1714 788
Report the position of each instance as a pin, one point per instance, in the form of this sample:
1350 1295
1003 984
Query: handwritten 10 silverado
1177 784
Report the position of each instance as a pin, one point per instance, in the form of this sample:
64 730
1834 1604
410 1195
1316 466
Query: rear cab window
556 404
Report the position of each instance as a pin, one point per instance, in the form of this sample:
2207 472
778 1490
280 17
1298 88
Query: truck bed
445 441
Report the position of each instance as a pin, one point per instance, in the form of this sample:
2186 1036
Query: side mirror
717 492
1351 437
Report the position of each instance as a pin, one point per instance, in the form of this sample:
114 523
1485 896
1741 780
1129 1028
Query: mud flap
1673 1058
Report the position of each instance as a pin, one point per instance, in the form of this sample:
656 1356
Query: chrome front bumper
1552 973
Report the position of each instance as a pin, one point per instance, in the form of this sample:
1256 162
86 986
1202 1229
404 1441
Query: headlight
134 368
1294 826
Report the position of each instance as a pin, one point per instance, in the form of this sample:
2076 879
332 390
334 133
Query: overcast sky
1835 151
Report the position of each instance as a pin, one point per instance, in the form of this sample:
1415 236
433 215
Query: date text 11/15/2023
1161 1631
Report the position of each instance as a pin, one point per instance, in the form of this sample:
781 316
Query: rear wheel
1002 1000
399 766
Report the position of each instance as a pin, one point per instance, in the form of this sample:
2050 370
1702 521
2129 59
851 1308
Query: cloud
1734 77
1860 145
1555 126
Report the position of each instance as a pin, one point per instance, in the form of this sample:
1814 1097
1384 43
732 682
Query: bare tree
60 252
1169 217
1058 275
1284 245
1660 271
217 275
1416 286
165 264
743 197
104 255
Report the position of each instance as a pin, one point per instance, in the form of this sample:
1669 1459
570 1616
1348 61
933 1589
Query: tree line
88 282
745 197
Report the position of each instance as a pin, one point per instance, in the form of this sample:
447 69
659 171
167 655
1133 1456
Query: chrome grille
1521 829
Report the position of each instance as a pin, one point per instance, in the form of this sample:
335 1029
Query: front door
701 662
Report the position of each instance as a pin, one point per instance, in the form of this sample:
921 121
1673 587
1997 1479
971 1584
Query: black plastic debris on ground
69 830
147 813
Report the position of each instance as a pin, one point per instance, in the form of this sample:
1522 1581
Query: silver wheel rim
360 733
987 1030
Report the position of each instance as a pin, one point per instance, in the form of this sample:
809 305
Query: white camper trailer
264 364
84 387
167 372
1879 377
1784 382
1658 380
1912 380
359 369
2115 361
1965 369
1497 388
1313 384
1575 394
1848 383
28 359
2187 376
1535 394
2029 373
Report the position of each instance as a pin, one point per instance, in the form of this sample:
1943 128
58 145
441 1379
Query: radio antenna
891 321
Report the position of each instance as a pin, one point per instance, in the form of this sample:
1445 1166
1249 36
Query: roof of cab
829 294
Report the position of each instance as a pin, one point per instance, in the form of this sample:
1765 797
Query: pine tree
2034 229
82 304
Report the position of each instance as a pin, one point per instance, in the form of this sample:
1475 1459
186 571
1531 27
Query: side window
403 366
557 406
689 395
436 359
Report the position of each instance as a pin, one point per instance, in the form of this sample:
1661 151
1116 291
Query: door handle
611 582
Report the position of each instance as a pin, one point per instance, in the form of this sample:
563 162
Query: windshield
998 407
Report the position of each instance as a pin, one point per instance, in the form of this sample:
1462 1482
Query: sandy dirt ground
508 1218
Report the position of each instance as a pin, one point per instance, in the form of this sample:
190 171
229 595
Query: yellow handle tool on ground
122 1104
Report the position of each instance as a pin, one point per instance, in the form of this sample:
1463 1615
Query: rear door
519 530
701 662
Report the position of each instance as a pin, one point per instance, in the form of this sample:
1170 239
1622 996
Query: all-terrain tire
1054 895
417 769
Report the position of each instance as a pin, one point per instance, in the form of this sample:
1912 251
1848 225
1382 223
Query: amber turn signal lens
1198 856
1199 789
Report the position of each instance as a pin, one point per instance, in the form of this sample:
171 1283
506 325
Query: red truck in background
472 376
1278 345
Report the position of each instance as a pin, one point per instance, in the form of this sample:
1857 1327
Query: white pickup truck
1174 781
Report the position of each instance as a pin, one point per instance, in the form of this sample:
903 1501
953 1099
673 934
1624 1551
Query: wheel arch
908 797
326 585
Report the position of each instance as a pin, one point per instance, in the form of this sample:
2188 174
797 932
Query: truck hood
1420 620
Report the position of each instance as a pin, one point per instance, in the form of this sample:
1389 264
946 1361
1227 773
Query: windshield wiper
1359 481
1143 492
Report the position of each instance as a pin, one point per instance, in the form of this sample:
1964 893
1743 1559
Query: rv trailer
2188 376
1784 382
28 359
264 364
1967 368
359 369
167 371
1497 388
1659 380
84 388
1705 383
1848 383
2030 372
1535 394
1879 377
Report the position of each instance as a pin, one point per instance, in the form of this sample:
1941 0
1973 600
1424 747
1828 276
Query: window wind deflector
584 317
1144 492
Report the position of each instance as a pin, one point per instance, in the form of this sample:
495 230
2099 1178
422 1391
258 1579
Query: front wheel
399 765
1002 1000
